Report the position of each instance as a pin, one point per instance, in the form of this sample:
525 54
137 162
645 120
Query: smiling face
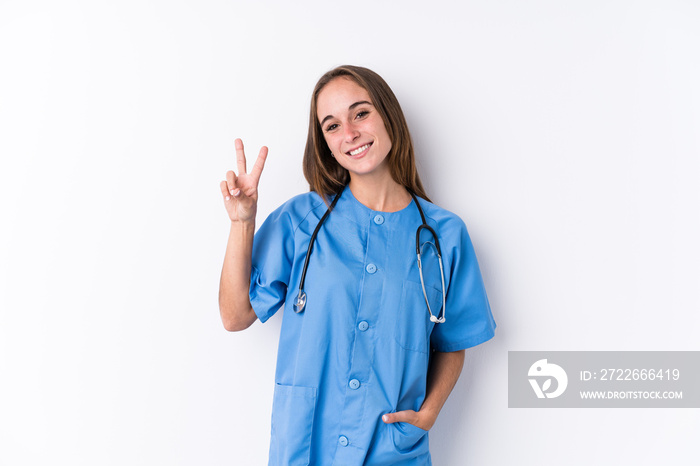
353 128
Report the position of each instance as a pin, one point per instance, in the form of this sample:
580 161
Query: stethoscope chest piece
300 302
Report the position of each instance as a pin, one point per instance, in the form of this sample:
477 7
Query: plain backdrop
565 134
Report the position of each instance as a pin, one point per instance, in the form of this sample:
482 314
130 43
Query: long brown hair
324 174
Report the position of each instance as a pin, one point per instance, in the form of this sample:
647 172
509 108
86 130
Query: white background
566 135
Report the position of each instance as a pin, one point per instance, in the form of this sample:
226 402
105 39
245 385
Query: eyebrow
349 108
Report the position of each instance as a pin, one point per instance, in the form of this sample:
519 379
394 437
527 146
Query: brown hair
324 174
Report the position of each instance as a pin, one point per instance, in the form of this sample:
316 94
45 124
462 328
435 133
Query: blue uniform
361 347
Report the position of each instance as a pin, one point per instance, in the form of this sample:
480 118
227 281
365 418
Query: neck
380 193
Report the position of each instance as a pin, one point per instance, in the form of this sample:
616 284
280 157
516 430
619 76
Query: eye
361 114
331 127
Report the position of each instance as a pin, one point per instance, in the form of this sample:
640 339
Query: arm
442 376
234 299
241 200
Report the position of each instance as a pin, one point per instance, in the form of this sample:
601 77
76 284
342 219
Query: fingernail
232 191
228 198
384 418
236 193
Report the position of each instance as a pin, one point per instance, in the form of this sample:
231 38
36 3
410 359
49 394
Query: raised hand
240 191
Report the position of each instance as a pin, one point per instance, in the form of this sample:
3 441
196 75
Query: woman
365 360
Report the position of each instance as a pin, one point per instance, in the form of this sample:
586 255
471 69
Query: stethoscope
300 302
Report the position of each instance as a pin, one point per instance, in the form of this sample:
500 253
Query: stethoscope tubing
313 240
300 302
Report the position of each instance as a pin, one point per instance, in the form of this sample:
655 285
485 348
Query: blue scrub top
361 347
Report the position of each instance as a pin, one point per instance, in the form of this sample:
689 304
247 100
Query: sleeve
468 318
273 253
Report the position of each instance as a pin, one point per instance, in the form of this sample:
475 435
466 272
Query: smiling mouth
360 149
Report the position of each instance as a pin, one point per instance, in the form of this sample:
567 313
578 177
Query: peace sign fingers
240 190
241 162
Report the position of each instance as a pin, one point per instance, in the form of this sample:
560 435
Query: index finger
240 156
259 164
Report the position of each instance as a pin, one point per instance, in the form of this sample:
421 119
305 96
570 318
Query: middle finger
240 157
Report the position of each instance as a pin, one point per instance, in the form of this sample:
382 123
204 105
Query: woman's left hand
422 419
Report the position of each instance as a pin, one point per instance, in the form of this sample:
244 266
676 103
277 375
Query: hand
421 419
241 191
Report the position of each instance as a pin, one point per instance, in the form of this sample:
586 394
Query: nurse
362 371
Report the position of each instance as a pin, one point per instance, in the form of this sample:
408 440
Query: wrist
429 414
243 225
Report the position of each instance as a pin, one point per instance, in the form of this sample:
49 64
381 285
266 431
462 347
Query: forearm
442 376
234 299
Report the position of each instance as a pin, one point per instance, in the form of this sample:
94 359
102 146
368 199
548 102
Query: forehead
339 94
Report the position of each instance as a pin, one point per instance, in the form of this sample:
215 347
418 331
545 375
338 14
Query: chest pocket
413 326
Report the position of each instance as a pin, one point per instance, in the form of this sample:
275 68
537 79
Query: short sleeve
273 253
468 318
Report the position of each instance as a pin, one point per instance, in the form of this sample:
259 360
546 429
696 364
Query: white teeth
359 149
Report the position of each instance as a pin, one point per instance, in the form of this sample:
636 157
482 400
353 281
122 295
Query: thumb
399 416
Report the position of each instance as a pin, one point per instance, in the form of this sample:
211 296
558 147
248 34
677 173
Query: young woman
373 336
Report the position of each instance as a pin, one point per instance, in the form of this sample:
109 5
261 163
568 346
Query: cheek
386 141
383 133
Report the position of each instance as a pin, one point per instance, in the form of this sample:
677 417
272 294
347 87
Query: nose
351 133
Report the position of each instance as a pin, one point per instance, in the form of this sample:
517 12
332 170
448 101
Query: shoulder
451 230
298 208
442 218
